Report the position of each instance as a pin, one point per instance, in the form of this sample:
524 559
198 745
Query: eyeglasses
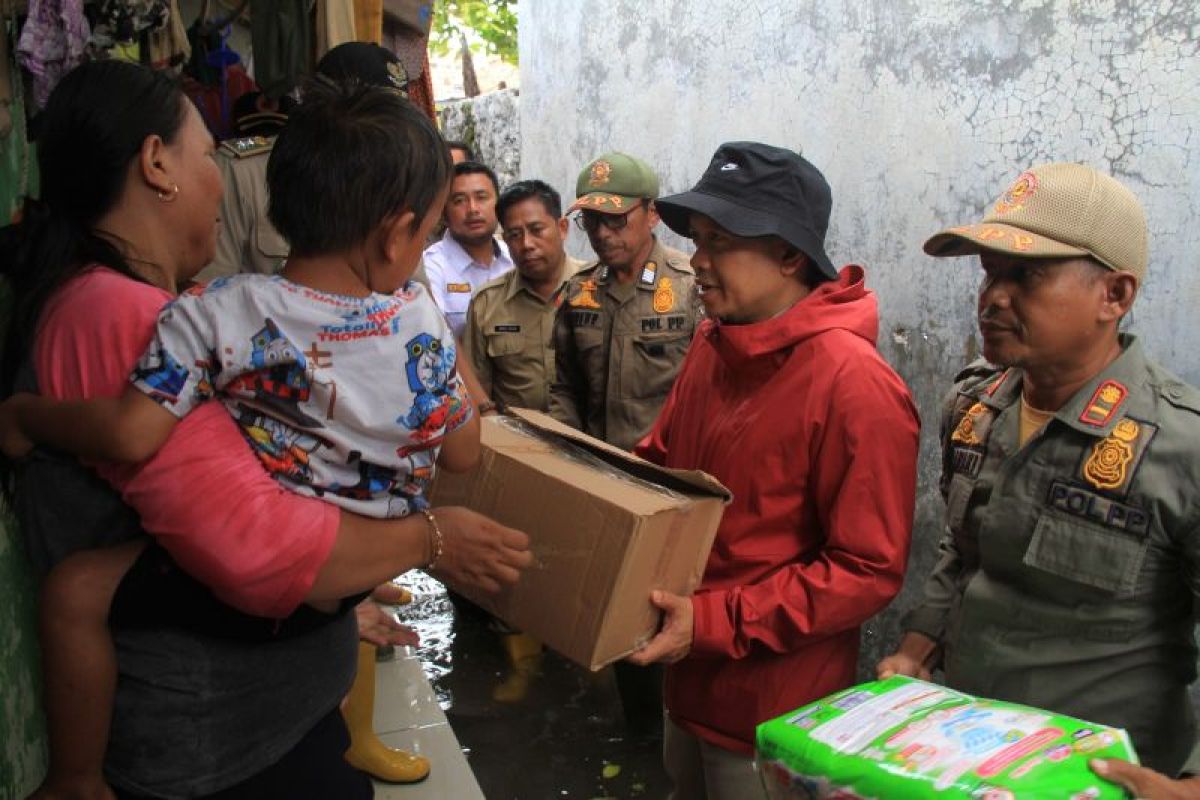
590 221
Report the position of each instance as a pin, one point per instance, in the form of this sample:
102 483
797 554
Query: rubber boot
366 751
524 663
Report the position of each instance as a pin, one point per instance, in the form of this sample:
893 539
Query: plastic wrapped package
905 738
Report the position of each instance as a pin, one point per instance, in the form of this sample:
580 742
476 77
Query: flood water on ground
568 738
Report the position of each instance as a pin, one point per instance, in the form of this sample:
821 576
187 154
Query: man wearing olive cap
626 319
1070 565
784 398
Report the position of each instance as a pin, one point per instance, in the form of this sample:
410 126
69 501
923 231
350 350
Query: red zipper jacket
817 438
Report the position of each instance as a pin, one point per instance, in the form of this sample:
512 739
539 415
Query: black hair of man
475 168
466 148
524 190
351 156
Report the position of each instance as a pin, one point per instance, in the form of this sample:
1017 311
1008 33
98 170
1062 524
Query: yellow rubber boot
366 751
524 662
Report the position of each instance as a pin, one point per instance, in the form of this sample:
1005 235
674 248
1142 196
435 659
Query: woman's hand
477 551
377 626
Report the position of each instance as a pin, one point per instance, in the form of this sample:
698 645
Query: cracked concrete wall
491 125
919 113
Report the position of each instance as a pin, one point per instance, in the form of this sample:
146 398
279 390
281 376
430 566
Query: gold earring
169 197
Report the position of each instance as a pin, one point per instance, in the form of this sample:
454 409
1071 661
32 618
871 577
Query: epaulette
248 146
1180 395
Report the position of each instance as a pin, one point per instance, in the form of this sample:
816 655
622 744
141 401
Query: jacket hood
842 304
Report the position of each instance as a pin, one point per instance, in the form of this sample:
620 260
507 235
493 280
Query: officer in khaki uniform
1071 472
246 239
627 319
509 335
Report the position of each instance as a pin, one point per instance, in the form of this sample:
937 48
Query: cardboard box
606 528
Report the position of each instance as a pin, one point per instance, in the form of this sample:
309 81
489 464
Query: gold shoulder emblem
965 432
1108 465
664 296
586 297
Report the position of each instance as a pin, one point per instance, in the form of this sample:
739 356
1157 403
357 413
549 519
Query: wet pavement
568 739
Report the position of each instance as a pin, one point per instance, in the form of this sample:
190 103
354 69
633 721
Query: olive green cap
614 183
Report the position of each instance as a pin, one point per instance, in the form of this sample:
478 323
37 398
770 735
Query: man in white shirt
468 254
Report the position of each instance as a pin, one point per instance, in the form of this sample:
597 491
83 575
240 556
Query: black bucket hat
752 189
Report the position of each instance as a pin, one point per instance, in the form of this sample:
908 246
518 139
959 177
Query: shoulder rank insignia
1104 404
664 296
966 432
1108 465
648 273
248 146
586 297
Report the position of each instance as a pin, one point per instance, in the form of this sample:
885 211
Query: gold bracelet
435 539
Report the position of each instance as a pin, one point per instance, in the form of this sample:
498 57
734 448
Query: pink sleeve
204 496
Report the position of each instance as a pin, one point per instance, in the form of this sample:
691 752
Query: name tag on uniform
458 288
508 329
672 323
1095 507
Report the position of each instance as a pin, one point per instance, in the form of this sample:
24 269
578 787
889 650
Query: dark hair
466 148
475 168
351 156
93 126
524 190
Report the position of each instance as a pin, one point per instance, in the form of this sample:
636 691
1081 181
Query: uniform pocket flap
1086 553
504 344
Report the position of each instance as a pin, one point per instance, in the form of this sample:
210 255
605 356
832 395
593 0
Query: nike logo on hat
729 166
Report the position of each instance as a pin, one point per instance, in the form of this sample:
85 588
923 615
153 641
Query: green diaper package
904 738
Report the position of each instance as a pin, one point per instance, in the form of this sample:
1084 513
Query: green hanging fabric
281 36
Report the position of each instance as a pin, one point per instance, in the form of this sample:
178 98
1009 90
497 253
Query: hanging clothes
281 36
368 20
169 46
335 25
52 42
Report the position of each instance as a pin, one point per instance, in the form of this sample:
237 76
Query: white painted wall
919 114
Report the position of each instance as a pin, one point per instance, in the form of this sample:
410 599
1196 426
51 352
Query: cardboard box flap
681 480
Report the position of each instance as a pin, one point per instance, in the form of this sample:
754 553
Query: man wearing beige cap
1071 473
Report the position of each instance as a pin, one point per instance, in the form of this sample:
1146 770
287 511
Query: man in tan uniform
626 319
246 239
509 336
509 342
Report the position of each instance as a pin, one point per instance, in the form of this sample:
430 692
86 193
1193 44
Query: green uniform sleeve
942 587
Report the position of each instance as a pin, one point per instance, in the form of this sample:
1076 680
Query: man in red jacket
784 398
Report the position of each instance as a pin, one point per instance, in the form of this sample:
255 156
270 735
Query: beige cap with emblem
1057 211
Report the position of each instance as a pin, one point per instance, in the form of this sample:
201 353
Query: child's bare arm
460 448
128 429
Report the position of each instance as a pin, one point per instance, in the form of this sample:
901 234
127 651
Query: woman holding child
128 214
